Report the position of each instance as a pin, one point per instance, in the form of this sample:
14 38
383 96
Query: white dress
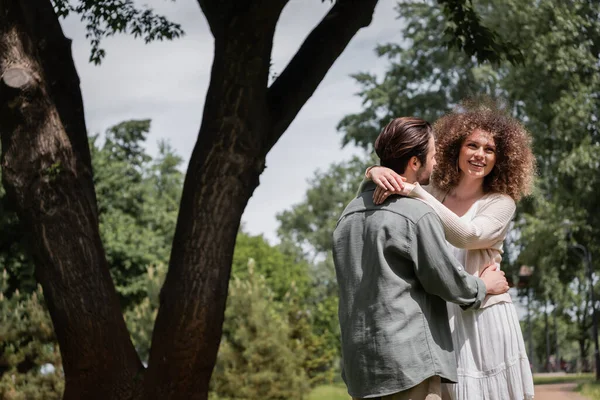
489 348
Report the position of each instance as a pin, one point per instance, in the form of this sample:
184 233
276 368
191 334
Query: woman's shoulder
498 201
498 197
435 191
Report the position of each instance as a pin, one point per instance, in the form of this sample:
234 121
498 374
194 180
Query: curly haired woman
484 165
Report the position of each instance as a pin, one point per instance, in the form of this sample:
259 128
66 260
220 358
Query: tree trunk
47 174
242 120
222 175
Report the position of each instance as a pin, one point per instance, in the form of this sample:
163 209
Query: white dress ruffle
491 356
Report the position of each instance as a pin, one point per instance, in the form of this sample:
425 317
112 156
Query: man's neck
410 176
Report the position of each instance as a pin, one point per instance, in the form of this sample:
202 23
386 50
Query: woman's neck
468 189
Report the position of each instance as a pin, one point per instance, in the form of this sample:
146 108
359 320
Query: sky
167 82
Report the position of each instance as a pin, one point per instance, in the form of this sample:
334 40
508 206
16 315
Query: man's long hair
402 139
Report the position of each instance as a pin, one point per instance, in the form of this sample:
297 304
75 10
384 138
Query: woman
485 165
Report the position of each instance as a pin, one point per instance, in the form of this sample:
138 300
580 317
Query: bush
30 363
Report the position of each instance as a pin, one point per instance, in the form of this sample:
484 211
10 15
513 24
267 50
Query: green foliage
256 358
13 254
465 31
281 271
590 389
138 199
104 18
307 317
298 289
14 257
140 318
27 343
329 392
556 328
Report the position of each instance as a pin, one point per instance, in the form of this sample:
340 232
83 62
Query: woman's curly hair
514 170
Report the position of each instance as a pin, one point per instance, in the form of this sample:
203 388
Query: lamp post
525 273
587 259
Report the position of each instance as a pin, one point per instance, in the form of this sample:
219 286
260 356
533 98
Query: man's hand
494 279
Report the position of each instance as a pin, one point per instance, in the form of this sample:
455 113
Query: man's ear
414 163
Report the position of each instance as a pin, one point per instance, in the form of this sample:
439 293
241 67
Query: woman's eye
472 146
489 150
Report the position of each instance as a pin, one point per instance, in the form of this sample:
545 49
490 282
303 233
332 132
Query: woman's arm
485 230
385 178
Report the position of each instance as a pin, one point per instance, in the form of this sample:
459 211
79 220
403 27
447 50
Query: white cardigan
482 236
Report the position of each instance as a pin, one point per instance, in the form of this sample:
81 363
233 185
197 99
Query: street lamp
587 259
525 273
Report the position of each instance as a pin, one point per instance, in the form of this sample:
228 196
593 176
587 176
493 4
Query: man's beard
423 175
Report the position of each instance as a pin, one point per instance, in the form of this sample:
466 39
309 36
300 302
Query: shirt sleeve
438 270
487 228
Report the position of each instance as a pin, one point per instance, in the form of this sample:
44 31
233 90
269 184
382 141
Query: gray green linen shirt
395 274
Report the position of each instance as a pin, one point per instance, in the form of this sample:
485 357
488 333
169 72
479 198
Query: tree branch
222 174
219 12
299 80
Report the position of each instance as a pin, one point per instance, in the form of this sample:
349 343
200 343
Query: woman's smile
478 154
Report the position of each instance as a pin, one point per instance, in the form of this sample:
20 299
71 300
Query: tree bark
47 174
241 122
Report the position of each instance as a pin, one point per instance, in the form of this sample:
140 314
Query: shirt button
460 268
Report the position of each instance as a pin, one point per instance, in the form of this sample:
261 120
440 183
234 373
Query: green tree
256 358
303 295
281 271
140 318
47 173
137 203
13 253
27 343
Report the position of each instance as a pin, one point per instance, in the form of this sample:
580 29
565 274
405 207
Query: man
395 274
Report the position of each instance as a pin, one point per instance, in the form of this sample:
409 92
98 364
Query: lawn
587 387
566 378
590 389
329 392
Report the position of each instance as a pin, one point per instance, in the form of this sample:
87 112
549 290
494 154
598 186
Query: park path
558 391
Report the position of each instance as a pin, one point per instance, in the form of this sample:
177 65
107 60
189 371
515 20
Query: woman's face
478 154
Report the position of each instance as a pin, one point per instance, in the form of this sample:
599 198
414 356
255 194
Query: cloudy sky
167 83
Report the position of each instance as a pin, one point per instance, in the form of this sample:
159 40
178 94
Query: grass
329 392
590 389
567 378
587 387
